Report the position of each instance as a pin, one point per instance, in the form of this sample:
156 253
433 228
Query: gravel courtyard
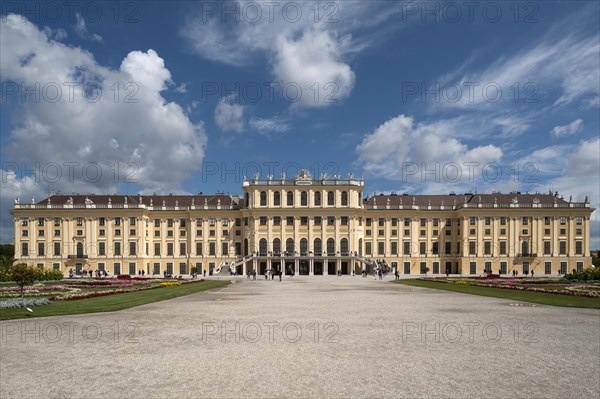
322 336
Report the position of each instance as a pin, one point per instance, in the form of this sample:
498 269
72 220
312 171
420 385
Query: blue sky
418 97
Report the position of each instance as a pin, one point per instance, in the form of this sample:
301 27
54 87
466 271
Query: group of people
515 273
90 273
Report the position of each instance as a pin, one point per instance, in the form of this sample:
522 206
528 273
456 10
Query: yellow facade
306 226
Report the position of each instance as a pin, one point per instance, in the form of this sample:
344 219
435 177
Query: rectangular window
368 248
132 221
547 220
422 248
394 222
212 251
381 248
303 220
276 220
117 246
502 232
488 221
101 222
503 221
24 233
394 248
41 221
330 221
101 232
198 233
423 222
406 222
448 222
40 233
182 268
472 220
563 220
502 247
169 222
289 220
448 248
169 249
381 222
199 249
263 220
57 249
380 232
473 267
406 267
578 220
24 249
117 232
157 233
132 248
394 232
579 266
225 221
547 267
487 248
406 250
422 267
563 267
132 232
24 222
317 220
406 232
132 269
157 223
472 248
182 249
368 222
56 266
157 249
562 248
436 222
57 221
525 220
487 232
41 249
547 248
102 248
436 267
472 232
344 220
435 248
503 267
224 249
117 268
578 247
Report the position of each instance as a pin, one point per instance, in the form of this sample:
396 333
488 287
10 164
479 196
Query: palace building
306 226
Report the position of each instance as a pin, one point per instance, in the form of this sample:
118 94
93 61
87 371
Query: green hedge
593 273
40 274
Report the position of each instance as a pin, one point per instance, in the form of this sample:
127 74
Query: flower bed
559 287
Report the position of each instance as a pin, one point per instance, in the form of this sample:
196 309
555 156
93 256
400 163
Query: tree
6 261
426 271
24 275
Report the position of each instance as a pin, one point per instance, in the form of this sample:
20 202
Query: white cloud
578 175
398 146
568 130
182 89
310 49
81 29
229 116
267 126
133 135
314 62
565 61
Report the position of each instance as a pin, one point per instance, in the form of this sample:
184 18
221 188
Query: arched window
525 248
277 198
79 249
303 246
263 198
344 198
290 198
318 198
317 246
330 246
344 246
330 198
360 246
262 246
303 198
277 246
289 246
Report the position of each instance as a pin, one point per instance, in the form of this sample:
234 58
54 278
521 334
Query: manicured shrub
23 303
124 276
592 273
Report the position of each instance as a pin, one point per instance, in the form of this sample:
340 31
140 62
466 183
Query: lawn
515 295
112 302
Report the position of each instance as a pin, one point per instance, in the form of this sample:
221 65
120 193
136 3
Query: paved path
322 336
